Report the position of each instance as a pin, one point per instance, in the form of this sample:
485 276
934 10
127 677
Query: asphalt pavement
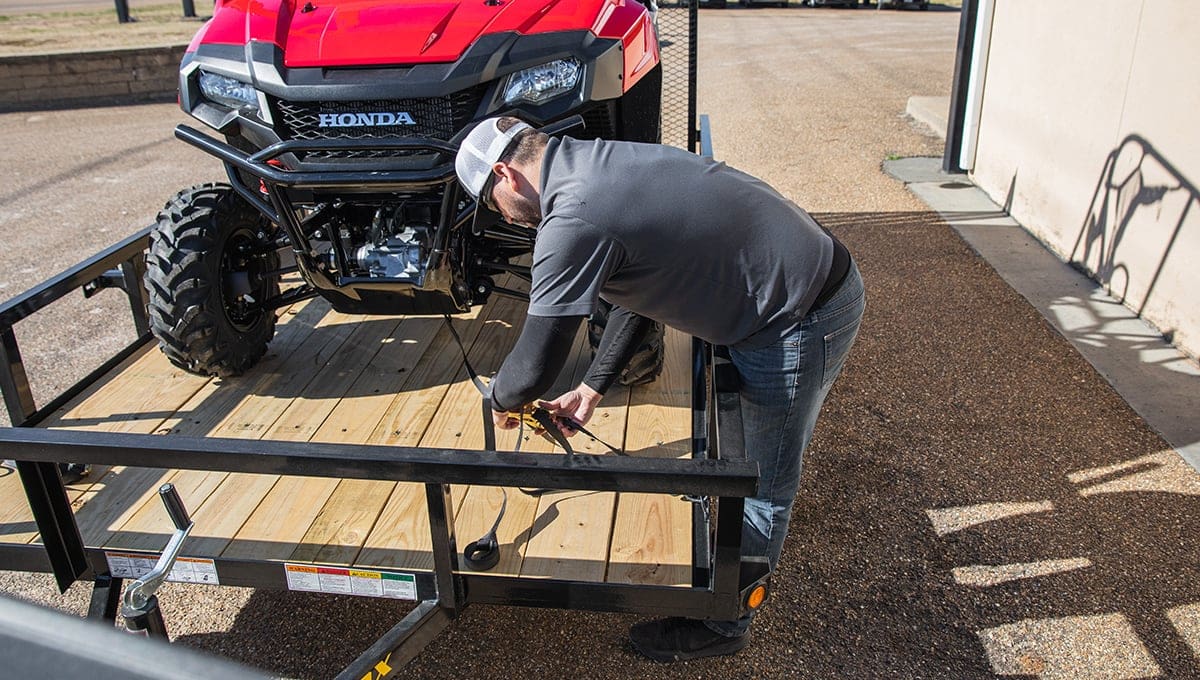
978 501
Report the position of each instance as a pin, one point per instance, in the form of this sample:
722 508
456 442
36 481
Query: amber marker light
756 597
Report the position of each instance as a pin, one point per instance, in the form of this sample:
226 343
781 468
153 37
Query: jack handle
140 606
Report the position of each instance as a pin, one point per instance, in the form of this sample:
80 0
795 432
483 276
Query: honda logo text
375 119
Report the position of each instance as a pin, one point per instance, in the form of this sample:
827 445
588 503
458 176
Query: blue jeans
783 387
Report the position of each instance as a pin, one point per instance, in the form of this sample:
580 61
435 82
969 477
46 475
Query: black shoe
679 639
73 472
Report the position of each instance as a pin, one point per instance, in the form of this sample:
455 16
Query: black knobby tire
647 362
208 243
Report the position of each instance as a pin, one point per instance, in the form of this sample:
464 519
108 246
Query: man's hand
505 420
576 405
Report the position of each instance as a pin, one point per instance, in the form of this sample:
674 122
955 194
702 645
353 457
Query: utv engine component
399 257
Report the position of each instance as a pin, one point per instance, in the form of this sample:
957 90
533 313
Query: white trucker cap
482 147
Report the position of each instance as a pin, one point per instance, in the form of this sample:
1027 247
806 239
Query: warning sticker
319 579
185 569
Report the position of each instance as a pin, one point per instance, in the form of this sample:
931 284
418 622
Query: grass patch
153 26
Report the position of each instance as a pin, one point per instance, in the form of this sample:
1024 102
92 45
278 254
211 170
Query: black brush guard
448 284
445 289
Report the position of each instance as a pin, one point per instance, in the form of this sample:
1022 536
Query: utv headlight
227 91
542 83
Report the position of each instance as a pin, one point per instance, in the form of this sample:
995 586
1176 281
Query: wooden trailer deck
331 377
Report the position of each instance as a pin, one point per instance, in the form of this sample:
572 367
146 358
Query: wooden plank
279 384
569 537
137 397
282 520
205 412
16 517
140 395
220 502
406 362
456 422
652 533
225 511
114 497
341 527
425 361
307 411
400 538
146 525
414 403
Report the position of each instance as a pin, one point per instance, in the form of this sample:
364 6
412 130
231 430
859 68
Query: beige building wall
1090 137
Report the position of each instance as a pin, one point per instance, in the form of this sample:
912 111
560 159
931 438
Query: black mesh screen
677 44
599 121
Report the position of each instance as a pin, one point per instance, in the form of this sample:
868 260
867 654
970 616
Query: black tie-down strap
484 553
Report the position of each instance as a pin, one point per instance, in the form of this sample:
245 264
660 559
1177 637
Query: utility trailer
352 461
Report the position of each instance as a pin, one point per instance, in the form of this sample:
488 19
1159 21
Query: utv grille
434 117
598 122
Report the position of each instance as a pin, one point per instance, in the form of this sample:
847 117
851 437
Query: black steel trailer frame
718 478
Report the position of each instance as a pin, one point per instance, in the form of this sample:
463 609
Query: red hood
383 32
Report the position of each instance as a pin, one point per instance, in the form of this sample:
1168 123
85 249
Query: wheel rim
243 285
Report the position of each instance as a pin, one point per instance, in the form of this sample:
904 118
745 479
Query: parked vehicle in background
774 3
902 4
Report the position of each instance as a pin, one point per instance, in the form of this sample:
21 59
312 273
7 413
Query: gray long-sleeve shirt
684 240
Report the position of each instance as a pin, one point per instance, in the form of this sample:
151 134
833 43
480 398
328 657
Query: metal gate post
693 59
958 93
44 488
106 598
407 638
52 512
14 382
132 282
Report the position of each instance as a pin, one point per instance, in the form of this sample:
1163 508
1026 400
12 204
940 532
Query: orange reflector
756 597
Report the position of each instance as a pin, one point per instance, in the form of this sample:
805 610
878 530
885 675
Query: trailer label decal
380 670
185 569
342 581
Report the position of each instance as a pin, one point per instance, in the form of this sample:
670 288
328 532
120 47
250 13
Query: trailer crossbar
407 464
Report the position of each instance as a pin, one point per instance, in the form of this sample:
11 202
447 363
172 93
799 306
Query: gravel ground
977 500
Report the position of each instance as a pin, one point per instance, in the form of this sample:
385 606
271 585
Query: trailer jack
140 605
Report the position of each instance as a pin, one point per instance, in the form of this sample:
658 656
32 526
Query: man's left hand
505 420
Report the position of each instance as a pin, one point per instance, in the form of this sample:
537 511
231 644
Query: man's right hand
577 405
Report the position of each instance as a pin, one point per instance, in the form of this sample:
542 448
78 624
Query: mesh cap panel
482 147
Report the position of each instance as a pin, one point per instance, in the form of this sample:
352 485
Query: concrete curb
931 111
102 77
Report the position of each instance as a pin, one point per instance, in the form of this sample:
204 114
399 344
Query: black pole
693 61
189 9
145 620
962 81
106 598
123 11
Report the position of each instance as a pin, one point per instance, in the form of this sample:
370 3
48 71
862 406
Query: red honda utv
338 123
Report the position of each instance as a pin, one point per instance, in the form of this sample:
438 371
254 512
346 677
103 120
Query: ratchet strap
484 553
